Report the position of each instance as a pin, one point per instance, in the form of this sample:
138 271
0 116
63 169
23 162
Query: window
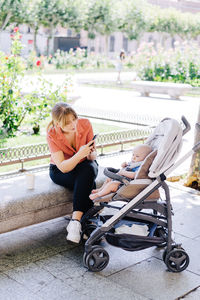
172 42
150 39
112 43
69 32
125 43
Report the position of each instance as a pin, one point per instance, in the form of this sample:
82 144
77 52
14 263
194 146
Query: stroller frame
96 257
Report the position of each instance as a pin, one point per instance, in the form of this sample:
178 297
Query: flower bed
181 64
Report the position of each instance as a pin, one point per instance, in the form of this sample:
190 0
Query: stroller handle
187 125
112 173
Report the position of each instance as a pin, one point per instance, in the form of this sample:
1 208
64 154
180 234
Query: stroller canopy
167 140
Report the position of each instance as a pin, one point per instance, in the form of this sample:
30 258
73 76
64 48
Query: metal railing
26 153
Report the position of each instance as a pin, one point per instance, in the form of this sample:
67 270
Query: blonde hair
59 114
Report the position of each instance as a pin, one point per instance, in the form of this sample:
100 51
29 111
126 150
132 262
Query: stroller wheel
177 260
97 259
87 231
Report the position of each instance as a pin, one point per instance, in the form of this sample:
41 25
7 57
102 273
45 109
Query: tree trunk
106 44
5 21
35 40
4 24
50 36
164 37
89 45
48 42
194 171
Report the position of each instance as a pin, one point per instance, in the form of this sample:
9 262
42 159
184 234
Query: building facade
64 39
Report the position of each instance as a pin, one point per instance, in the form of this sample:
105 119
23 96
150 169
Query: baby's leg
110 187
99 189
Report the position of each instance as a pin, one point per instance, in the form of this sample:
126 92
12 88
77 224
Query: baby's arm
124 164
128 174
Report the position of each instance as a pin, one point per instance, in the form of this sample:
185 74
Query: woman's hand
93 154
85 150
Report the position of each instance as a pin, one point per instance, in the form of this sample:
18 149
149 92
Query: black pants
81 180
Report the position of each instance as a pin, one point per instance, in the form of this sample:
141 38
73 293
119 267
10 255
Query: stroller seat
129 189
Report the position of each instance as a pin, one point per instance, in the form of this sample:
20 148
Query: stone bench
20 207
174 90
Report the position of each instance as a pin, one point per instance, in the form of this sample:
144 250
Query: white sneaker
74 231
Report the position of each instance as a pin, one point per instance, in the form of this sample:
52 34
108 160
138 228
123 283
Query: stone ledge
20 207
174 90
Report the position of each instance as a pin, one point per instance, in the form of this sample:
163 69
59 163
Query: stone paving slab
183 221
98 287
10 289
37 263
31 276
194 295
191 247
151 280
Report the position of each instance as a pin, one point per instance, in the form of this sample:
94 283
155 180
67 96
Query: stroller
140 204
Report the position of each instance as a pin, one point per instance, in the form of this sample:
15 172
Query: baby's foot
95 191
93 196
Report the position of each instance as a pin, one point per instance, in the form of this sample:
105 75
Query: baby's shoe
74 231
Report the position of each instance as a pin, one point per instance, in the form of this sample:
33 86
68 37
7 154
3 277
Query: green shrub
181 64
14 106
80 59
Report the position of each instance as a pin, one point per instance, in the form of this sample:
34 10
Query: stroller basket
132 242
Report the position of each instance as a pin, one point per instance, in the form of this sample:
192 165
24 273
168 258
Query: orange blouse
58 142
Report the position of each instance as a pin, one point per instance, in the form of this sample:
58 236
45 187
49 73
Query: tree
172 22
31 18
50 13
11 11
74 16
101 18
132 19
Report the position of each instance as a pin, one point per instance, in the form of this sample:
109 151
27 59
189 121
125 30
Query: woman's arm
67 165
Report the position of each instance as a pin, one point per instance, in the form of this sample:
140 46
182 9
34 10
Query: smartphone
94 137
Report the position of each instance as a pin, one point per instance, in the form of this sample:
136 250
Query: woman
73 164
119 65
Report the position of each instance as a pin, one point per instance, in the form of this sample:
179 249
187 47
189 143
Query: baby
128 170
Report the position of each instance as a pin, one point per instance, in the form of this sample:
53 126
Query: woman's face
69 125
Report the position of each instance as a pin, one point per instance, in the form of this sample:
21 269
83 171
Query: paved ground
38 263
